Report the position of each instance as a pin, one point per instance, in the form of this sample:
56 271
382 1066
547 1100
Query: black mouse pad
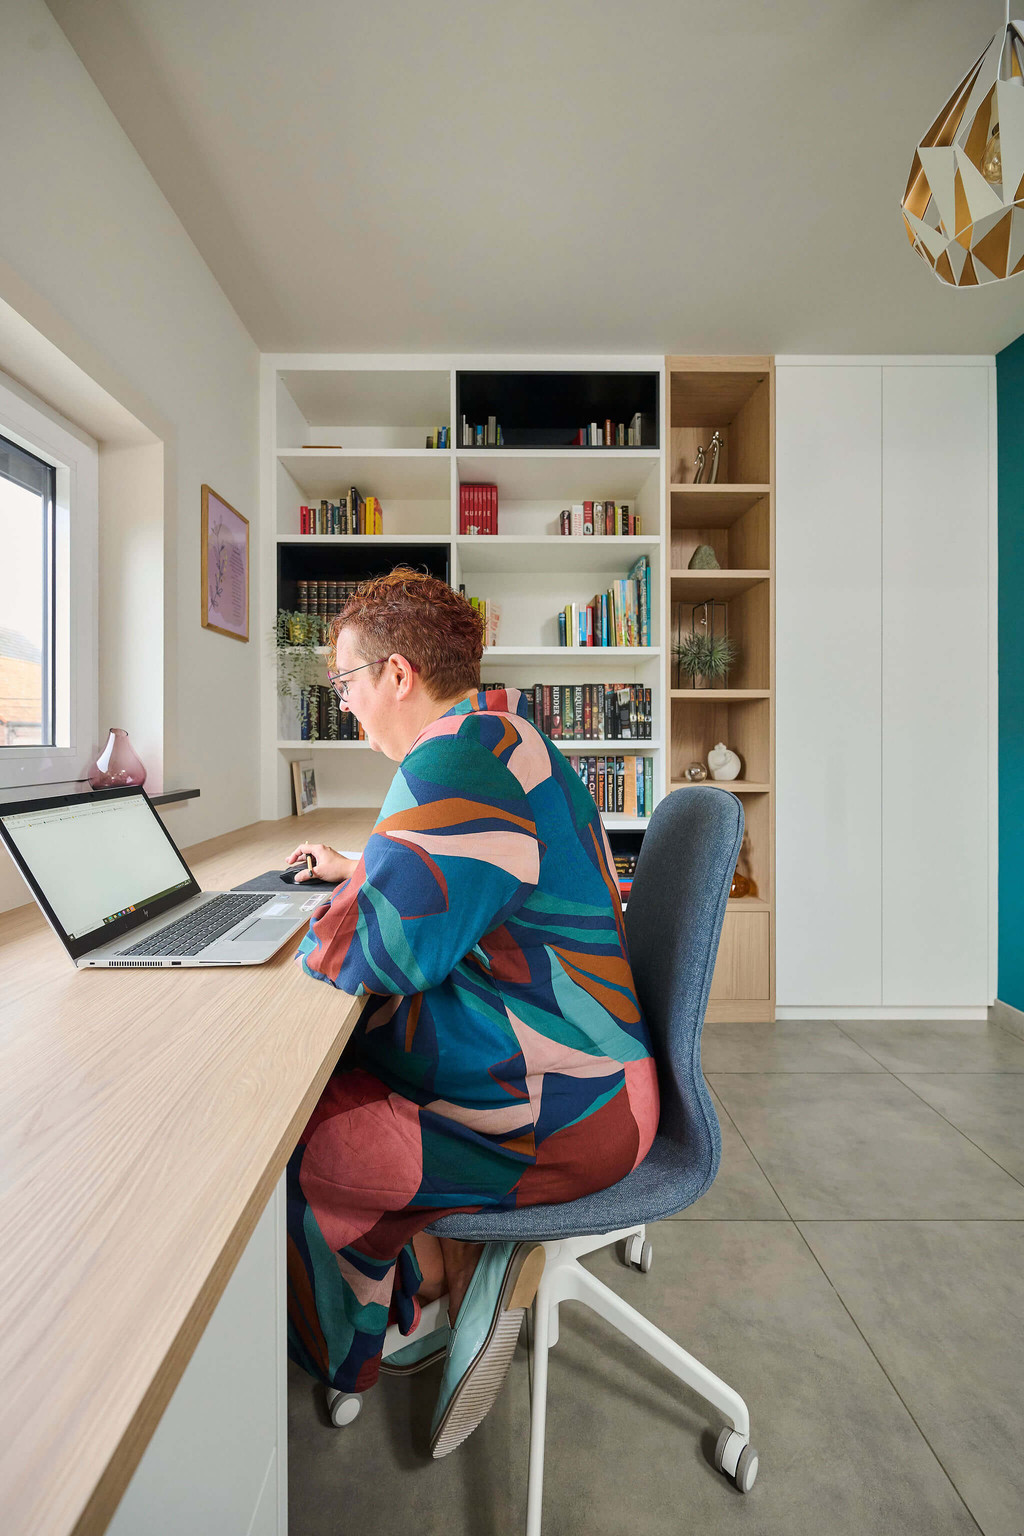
272 881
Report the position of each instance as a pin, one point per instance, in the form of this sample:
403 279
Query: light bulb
992 160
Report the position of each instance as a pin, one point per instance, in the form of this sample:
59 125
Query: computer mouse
288 875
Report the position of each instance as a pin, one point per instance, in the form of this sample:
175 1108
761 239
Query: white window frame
32 425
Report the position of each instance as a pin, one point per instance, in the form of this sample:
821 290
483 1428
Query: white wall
93 257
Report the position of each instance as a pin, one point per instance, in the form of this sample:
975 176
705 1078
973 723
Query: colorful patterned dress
501 1059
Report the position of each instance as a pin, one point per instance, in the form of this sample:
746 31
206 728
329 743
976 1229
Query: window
48 602
28 488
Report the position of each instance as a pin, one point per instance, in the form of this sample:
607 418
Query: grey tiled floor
856 1272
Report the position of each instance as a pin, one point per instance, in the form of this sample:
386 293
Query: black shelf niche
341 562
546 410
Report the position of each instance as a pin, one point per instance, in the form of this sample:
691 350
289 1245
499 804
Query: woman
501 1059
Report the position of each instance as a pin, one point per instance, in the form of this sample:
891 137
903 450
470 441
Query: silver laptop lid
100 864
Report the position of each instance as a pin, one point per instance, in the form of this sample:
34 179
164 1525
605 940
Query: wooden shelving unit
331 421
736 517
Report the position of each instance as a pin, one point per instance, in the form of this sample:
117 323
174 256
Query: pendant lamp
964 204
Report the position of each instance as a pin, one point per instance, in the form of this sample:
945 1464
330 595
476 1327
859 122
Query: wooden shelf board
719 695
498 553
561 475
695 586
616 823
712 506
399 474
737 786
575 652
354 540
588 748
322 744
748 904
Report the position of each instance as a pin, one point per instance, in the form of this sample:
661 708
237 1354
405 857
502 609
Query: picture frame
225 560
304 785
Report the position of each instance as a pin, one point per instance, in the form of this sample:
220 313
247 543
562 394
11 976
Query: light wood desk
145 1118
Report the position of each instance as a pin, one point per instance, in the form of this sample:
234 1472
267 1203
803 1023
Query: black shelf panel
547 409
339 562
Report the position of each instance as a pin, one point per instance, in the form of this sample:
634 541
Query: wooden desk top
145 1118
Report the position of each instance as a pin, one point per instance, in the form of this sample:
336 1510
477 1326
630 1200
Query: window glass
27 487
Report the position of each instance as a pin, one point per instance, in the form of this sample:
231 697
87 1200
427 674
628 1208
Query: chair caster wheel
736 1459
639 1253
343 1407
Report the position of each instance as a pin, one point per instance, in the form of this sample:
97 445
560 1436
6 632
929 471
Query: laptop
117 893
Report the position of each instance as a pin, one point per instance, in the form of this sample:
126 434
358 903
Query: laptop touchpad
265 930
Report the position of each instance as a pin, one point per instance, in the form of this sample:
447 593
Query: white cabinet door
935 562
828 669
217 1464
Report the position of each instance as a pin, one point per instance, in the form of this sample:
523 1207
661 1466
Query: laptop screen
102 863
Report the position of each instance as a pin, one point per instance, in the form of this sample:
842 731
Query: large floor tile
376 1476
790 1045
938 1045
987 1106
941 1305
838 1145
628 1448
740 1191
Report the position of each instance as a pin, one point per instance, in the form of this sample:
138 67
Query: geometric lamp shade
964 203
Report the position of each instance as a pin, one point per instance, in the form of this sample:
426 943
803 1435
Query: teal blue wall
1010 376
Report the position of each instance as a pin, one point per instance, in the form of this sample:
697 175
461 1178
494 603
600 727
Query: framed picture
225 544
304 785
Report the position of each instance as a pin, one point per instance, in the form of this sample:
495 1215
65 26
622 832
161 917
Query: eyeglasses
337 679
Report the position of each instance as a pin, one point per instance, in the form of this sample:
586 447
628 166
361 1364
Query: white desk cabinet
884 754
217 1464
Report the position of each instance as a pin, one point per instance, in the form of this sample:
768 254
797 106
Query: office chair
673 923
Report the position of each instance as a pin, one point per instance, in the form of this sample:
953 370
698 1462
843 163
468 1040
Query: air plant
701 655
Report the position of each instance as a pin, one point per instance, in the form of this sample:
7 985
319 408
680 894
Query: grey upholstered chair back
673 923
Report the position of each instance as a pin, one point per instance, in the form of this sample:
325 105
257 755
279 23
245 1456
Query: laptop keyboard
192 933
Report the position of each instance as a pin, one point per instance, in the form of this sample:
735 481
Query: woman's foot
447 1267
483 1339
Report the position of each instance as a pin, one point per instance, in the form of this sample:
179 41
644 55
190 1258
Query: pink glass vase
117 764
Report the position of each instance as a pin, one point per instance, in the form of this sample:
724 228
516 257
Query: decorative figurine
723 762
695 774
717 444
704 559
698 465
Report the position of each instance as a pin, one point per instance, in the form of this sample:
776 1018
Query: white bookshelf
330 421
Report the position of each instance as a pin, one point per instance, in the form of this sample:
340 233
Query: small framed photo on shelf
304 785
225 546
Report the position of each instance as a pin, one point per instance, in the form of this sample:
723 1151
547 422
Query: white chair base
565 1279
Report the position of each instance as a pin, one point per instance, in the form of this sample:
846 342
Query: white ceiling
552 175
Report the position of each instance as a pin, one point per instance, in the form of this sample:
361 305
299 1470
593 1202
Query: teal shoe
483 1340
419 1354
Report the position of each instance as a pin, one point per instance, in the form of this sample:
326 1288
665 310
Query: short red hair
422 619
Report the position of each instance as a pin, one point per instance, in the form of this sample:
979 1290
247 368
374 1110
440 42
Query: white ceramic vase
723 762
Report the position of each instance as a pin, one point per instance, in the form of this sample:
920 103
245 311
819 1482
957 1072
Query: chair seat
666 1182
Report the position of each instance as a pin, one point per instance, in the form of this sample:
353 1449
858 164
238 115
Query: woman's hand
330 865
